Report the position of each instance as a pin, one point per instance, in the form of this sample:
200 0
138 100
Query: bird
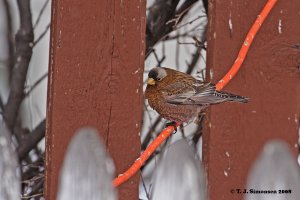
181 98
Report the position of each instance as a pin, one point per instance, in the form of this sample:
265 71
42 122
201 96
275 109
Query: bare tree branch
185 5
148 137
9 36
24 42
205 5
33 169
144 186
36 84
189 22
159 61
1 104
42 35
31 140
41 14
178 17
195 58
33 176
36 190
161 12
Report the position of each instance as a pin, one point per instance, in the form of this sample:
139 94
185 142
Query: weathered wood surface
96 68
87 171
179 175
10 184
236 133
275 170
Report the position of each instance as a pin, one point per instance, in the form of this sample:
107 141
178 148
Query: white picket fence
88 171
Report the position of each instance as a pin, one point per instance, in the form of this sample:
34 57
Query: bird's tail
225 96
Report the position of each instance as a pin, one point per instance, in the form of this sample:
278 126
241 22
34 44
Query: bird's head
156 75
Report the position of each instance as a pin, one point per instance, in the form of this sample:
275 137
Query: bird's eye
158 79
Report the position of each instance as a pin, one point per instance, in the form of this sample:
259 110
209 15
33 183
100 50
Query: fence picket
275 170
179 175
87 171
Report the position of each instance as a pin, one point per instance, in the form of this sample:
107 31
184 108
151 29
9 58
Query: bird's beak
151 81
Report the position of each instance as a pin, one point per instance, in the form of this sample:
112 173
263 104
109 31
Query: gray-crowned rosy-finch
179 97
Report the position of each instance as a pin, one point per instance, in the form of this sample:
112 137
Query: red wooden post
96 68
269 76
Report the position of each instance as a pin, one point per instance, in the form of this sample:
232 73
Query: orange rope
144 156
224 81
245 47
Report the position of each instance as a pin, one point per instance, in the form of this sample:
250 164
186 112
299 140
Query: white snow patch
230 25
227 154
225 173
279 26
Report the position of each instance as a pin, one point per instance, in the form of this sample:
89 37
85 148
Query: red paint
246 45
269 76
96 68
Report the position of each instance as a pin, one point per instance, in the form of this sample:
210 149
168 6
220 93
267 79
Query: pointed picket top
179 175
87 171
276 172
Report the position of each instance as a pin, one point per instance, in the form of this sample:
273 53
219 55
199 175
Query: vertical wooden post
269 76
96 68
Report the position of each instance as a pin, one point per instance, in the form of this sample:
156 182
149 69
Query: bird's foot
172 123
201 116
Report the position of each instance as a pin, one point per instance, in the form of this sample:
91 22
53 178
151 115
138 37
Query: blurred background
29 105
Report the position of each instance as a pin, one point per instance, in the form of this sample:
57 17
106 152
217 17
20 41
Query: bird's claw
172 123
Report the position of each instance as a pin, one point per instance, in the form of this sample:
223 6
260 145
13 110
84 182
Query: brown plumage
179 97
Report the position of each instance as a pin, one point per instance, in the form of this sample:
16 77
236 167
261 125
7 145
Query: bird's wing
196 93
207 94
